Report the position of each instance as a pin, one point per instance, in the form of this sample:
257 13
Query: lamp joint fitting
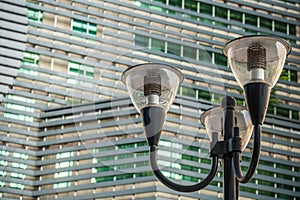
225 147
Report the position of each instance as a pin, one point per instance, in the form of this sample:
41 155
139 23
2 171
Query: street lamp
256 62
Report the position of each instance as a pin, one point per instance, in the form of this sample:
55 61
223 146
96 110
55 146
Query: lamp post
256 62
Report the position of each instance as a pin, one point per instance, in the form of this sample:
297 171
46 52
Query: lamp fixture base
257 97
153 121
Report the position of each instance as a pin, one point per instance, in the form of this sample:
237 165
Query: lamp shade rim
169 67
263 37
207 112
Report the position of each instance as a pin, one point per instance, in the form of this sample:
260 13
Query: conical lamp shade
152 83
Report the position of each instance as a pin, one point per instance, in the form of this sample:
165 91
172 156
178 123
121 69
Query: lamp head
213 120
152 84
257 58
152 88
256 63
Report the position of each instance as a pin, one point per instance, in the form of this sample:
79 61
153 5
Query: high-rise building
68 129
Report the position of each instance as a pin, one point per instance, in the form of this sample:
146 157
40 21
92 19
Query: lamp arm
254 159
177 187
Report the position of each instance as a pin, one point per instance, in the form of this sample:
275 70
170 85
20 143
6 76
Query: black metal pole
229 182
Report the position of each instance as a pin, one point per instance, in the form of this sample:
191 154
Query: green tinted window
247 189
206 8
158 45
250 19
103 179
174 48
205 56
266 193
292 29
139 144
189 168
84 27
295 114
205 95
280 27
34 15
190 5
189 52
191 148
78 69
124 176
189 178
142 174
236 16
188 157
221 12
190 92
265 23
126 146
282 112
105 168
141 41
161 1
220 59
177 3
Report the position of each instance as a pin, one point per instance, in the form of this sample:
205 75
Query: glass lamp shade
257 58
152 83
213 121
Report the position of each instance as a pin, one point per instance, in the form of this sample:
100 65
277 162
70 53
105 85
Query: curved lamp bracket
175 186
254 159
153 120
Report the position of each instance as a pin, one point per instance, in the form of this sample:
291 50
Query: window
143 174
34 15
220 59
124 176
205 56
292 29
103 179
104 169
62 174
62 185
30 59
190 5
3 163
236 16
155 8
19 107
141 41
78 69
289 75
174 48
101 159
265 23
190 92
189 52
84 27
158 45
177 3
126 146
206 9
221 13
205 95
280 27
250 20
18 165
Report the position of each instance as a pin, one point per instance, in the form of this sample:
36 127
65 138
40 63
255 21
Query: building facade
68 129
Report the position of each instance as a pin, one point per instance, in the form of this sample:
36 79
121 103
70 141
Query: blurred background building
68 129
